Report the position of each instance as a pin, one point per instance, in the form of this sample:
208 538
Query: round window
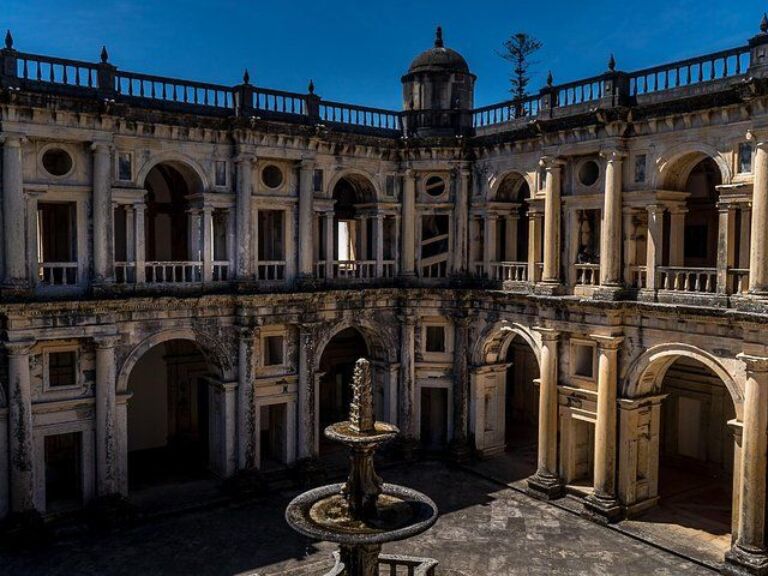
435 186
589 173
57 162
272 176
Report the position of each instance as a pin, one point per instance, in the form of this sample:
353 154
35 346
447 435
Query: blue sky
357 51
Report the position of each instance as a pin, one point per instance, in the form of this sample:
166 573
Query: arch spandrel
491 347
645 375
495 182
357 177
674 166
381 345
185 163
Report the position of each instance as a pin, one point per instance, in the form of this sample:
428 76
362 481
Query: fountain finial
361 409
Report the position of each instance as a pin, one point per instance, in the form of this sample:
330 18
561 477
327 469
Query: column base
742 562
602 509
549 289
545 487
609 293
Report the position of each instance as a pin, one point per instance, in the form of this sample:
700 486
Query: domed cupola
438 92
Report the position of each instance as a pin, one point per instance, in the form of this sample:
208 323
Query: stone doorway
168 416
521 407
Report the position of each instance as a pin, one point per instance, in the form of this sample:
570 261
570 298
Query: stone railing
638 277
57 273
679 279
509 271
738 280
587 274
270 270
392 565
125 272
181 272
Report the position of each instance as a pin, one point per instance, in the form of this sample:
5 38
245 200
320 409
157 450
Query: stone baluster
103 231
602 504
546 483
243 218
408 246
748 554
16 270
21 446
107 473
306 211
611 234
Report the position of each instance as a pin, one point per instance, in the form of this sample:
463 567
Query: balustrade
173 272
678 279
738 280
125 272
638 277
510 271
587 274
133 85
270 270
36 68
57 273
337 112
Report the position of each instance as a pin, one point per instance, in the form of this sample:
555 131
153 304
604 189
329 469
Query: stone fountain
363 513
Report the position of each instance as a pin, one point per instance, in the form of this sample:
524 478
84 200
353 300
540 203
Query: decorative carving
361 409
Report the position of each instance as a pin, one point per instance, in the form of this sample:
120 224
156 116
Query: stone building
190 270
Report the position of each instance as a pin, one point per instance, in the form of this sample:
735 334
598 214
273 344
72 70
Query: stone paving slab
484 530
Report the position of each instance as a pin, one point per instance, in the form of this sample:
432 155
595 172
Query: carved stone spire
439 37
550 79
764 24
311 87
104 55
8 40
361 415
612 63
246 77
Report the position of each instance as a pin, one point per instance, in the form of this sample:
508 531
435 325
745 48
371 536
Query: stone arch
380 345
366 184
493 343
190 168
645 375
496 181
213 359
675 166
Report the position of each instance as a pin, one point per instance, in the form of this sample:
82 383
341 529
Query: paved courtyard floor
484 529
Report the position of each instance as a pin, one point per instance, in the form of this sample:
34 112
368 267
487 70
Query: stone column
16 271
130 233
534 245
290 244
207 243
106 433
677 237
408 246
407 400
459 446
460 256
378 243
329 245
195 253
306 393
243 218
489 244
139 235
630 245
748 555
306 210
602 504
20 426
103 235
726 245
654 245
546 483
510 239
552 248
758 261
611 234
246 419
223 434
745 219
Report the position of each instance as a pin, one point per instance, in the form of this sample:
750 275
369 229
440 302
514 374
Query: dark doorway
63 471
273 422
434 418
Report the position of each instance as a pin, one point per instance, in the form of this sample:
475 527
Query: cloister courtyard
485 528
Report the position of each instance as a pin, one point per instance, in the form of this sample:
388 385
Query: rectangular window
435 339
583 360
62 369
221 172
271 236
273 351
317 180
542 178
125 166
640 162
390 185
745 158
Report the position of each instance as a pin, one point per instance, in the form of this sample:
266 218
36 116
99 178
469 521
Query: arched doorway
701 220
685 450
512 239
521 407
168 416
337 365
172 231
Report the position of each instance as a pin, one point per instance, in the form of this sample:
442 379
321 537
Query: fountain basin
321 514
344 433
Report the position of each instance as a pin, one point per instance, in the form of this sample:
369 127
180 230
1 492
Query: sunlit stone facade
190 271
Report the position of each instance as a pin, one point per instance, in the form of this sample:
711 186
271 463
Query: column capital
102 146
552 162
409 173
19 347
613 155
107 341
655 209
607 342
758 137
244 158
247 333
754 363
12 140
307 163
547 334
